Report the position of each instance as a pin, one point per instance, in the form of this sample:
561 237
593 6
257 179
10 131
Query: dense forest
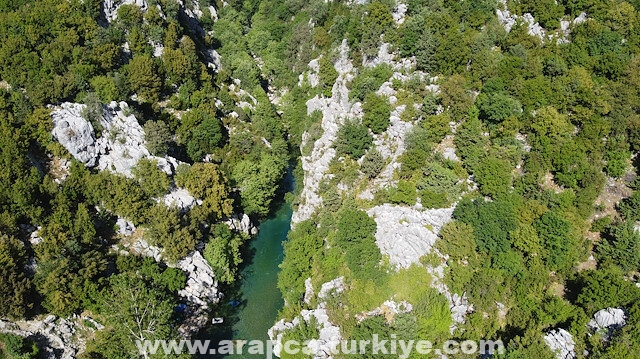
543 189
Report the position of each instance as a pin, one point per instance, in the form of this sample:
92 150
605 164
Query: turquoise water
260 295
257 291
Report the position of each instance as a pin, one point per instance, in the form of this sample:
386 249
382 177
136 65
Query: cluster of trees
236 159
539 125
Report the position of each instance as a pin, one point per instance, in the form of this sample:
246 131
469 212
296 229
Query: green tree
493 176
353 139
16 288
372 163
143 79
376 113
223 253
205 181
153 181
621 246
157 137
496 107
258 182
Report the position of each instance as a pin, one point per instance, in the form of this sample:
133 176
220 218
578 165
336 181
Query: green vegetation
539 125
353 139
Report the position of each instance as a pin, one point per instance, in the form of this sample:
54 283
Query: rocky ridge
119 148
334 111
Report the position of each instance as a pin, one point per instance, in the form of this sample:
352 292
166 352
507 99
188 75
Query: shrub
353 139
372 163
376 113
157 137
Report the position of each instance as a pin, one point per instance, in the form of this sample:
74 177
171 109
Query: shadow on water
257 292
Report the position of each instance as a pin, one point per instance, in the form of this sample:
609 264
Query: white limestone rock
406 234
329 334
110 7
399 13
607 320
180 198
308 291
242 223
202 287
561 343
331 288
75 133
334 111
119 148
125 228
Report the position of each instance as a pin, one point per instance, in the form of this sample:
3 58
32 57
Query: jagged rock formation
508 20
119 148
200 292
110 7
180 198
406 234
334 110
57 337
329 334
607 320
561 343
242 223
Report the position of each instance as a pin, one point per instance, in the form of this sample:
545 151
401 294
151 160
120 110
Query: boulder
561 343
406 234
75 133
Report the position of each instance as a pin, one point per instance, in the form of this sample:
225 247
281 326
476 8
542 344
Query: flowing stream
258 294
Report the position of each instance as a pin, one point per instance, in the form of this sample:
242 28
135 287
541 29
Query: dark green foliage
372 163
13 346
369 80
16 288
142 76
438 186
491 221
302 246
355 236
621 246
153 181
493 176
92 111
496 107
157 137
223 253
258 182
404 193
630 207
604 288
353 139
376 113
554 232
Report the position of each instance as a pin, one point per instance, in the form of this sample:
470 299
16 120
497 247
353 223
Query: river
258 294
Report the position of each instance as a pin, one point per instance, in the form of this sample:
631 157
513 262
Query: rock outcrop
561 343
57 337
608 320
180 198
329 336
334 111
406 234
119 148
242 223
110 7
201 291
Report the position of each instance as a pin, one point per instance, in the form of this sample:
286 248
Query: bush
404 193
353 139
369 80
372 163
157 137
92 111
376 113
